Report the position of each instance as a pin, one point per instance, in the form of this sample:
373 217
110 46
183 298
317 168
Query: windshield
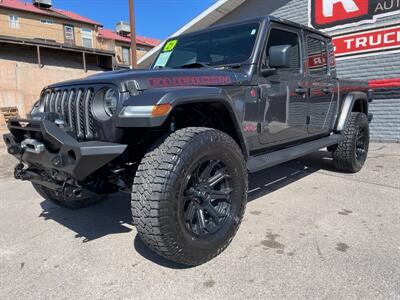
233 45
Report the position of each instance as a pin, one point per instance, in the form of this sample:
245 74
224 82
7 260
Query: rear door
69 35
323 87
284 94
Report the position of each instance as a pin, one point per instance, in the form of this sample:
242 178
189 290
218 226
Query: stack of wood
6 113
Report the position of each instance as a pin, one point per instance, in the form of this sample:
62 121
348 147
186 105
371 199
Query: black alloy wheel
207 198
361 145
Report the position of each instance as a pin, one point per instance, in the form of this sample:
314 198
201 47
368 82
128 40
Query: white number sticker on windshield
162 60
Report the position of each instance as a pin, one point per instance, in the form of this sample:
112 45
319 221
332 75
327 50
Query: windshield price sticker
162 60
170 46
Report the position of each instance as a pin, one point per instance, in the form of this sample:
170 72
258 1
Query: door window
317 57
87 38
279 37
69 34
126 52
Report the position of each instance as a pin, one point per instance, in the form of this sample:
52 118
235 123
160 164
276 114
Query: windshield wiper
238 66
194 65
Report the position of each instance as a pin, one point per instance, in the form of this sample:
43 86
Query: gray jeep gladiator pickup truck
182 136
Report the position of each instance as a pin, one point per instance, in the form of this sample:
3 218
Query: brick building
366 35
40 44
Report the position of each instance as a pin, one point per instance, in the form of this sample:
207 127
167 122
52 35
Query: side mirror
279 56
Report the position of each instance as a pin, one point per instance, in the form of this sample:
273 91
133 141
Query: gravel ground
308 232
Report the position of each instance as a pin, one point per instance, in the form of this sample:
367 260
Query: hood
162 78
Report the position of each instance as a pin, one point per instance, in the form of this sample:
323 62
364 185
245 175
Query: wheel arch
220 113
353 102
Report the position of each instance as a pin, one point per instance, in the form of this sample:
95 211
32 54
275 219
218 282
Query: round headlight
36 108
110 102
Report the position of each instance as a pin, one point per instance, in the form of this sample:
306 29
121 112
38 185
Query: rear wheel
189 195
351 153
72 202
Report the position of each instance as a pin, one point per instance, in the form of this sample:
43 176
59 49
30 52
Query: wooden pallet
9 112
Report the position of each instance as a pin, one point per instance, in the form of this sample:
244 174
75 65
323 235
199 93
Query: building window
47 21
126 53
14 21
317 57
87 38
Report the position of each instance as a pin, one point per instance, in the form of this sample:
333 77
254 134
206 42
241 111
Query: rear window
317 57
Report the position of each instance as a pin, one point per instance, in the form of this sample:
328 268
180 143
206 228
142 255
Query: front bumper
43 145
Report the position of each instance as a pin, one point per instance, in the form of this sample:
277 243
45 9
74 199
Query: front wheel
189 195
351 153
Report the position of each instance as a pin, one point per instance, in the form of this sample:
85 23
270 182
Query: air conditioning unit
123 28
42 3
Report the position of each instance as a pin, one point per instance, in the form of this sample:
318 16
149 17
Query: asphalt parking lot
308 232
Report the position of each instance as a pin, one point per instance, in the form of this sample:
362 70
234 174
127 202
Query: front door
323 87
69 35
284 94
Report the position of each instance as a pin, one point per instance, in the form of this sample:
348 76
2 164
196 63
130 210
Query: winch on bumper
46 147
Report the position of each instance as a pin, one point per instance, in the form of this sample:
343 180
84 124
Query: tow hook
68 191
20 173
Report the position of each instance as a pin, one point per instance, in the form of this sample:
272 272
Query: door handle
327 91
301 91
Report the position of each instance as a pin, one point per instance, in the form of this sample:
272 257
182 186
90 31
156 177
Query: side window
87 38
317 57
13 21
279 37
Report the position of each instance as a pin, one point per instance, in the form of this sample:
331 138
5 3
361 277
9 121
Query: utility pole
133 34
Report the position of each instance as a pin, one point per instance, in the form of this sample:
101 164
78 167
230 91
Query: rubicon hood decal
189 81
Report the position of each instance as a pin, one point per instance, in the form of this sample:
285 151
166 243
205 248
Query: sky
154 18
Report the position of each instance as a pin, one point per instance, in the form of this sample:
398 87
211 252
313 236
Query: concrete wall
21 79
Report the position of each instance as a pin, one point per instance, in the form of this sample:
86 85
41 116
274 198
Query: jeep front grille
75 105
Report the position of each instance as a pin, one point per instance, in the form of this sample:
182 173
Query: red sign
368 41
343 13
316 61
334 11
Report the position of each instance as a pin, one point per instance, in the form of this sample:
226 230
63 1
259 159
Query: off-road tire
158 184
344 155
67 202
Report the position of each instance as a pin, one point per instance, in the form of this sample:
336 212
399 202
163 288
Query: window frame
47 21
282 27
129 55
254 53
71 33
308 34
84 35
13 19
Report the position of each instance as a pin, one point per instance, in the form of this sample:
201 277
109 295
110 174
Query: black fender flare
180 96
347 107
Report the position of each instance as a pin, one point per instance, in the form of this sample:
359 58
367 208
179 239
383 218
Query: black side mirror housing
279 56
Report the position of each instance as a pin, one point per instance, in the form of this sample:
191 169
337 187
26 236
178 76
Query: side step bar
257 163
